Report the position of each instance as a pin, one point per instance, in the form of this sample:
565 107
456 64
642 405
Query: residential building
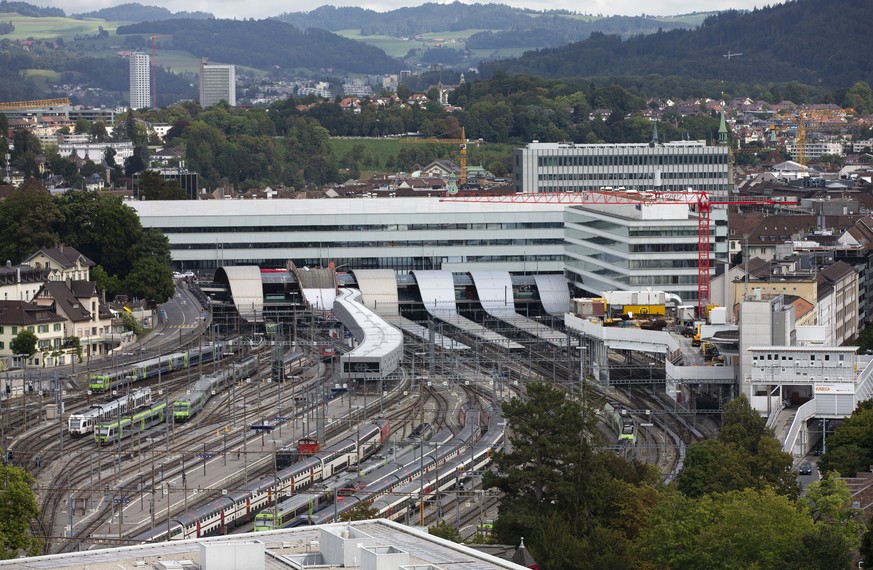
16 316
838 302
65 261
569 167
140 81
813 149
21 282
217 83
96 151
85 314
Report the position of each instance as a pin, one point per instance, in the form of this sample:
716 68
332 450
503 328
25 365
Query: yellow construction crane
461 142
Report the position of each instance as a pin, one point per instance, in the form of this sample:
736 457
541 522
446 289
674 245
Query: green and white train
110 432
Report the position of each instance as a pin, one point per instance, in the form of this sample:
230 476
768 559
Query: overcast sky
267 8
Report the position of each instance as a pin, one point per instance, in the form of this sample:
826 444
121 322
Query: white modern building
617 248
217 83
402 234
96 151
569 167
140 81
814 149
634 247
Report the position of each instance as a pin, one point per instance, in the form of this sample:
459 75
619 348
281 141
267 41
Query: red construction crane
152 62
699 200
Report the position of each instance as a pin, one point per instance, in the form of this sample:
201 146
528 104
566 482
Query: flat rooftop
285 549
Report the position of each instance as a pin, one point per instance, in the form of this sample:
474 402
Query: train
82 423
195 400
376 468
407 470
101 382
622 423
237 507
122 428
449 477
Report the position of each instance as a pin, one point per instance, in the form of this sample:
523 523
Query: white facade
96 151
815 149
629 247
140 81
402 234
217 83
569 167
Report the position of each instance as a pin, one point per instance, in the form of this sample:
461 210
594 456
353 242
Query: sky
267 8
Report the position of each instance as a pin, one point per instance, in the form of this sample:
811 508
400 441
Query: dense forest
809 41
26 9
541 29
264 44
134 12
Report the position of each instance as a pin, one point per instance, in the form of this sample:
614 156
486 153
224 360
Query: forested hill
810 41
134 12
266 43
551 27
30 10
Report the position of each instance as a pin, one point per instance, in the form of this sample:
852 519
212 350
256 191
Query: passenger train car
106 381
394 476
622 423
238 507
82 423
376 468
122 428
199 394
449 477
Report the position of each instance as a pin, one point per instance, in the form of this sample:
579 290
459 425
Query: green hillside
54 27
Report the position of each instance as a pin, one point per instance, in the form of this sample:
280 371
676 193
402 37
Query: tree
745 455
150 279
28 219
17 508
445 530
362 512
850 448
24 343
836 533
739 529
152 186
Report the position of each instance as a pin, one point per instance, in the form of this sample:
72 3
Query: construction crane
153 67
698 200
462 144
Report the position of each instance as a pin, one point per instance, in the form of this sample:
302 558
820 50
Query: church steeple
722 131
654 140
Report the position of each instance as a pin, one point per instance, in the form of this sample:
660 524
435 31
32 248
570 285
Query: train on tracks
82 423
622 423
238 507
101 382
419 474
122 428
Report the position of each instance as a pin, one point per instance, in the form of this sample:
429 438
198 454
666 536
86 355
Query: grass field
42 77
381 148
49 28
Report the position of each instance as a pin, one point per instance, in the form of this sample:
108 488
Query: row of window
365 228
803 358
712 189
352 244
633 160
56 327
604 177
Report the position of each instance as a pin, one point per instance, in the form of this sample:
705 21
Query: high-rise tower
217 83
140 81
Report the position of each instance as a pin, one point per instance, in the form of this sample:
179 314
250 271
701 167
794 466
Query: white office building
217 83
140 81
402 234
634 247
569 167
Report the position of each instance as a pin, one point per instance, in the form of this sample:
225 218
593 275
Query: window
30 329
14 330
2 345
57 327
42 328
